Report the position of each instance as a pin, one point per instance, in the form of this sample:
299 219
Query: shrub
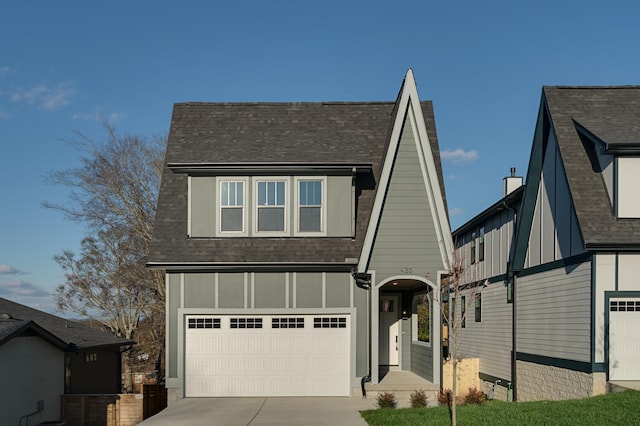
444 396
475 397
418 399
386 400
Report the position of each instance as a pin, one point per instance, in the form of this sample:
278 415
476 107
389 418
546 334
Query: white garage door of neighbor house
267 355
624 339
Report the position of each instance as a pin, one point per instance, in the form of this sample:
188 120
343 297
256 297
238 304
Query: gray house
571 285
43 357
299 240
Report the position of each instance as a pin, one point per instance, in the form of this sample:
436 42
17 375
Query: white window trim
287 201
323 207
245 206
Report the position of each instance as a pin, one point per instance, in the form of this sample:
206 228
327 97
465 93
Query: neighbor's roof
612 115
339 133
17 320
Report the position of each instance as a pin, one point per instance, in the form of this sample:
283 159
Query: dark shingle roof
612 114
335 133
16 318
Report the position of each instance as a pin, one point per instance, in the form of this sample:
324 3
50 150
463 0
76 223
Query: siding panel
554 315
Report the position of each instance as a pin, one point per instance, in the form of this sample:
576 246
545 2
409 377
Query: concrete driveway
335 411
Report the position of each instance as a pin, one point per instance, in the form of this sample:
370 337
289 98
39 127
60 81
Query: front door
389 328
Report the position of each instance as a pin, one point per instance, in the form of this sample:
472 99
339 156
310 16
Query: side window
310 206
473 247
463 311
271 206
478 307
481 245
232 206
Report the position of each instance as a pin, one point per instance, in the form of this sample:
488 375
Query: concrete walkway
308 411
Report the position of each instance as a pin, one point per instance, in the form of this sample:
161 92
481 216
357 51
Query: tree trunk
454 385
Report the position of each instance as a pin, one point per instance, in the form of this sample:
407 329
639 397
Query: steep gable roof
16 319
611 115
311 134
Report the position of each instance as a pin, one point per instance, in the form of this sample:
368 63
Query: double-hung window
310 206
232 206
271 206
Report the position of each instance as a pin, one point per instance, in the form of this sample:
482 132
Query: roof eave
271 167
347 265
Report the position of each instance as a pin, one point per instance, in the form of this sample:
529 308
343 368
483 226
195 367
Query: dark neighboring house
299 242
575 255
43 356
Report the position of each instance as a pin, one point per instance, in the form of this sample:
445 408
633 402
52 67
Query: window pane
317 193
262 193
225 193
303 193
271 193
239 193
231 219
280 193
310 219
270 219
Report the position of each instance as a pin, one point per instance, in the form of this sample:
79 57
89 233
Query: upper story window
271 206
473 247
310 206
628 176
232 206
481 244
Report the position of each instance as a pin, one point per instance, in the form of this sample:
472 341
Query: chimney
511 183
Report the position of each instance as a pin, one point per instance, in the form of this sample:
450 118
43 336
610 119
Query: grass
621 408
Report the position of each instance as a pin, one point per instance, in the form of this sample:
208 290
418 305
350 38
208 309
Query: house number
406 270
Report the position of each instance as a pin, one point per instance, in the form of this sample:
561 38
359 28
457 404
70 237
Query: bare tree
453 286
114 192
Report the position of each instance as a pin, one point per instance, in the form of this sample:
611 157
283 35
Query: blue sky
64 64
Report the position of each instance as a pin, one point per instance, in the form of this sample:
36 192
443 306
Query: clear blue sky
63 64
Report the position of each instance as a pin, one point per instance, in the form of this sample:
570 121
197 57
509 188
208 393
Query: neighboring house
296 237
575 257
43 356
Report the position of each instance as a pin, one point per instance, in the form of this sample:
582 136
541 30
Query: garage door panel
624 339
279 359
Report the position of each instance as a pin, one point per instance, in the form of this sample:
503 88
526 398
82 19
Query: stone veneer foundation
538 382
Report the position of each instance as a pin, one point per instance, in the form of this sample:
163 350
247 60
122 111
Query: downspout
363 281
514 309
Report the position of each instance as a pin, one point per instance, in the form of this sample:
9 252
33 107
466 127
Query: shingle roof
16 318
612 114
335 133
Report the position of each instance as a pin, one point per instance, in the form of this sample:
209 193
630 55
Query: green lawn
612 409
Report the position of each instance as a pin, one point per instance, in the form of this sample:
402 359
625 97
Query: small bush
386 400
444 396
475 397
418 399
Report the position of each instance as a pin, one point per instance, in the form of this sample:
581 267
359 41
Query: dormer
619 164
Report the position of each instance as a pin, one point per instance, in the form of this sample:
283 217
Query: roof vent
5 316
511 183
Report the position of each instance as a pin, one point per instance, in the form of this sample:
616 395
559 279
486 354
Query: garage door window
204 323
330 322
287 322
246 322
625 305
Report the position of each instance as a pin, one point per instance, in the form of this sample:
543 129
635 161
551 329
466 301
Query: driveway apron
310 411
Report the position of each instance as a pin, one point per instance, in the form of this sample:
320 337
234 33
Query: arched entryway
406 327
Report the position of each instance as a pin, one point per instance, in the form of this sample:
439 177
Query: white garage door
624 339
267 355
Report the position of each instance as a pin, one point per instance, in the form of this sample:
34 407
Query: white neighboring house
569 274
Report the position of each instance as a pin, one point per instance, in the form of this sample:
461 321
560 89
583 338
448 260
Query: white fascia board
409 97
